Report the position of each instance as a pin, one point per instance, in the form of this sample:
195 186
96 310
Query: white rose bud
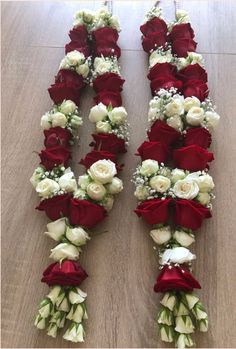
183 341
116 186
212 119
149 167
155 58
203 198
98 113
183 238
165 317
77 315
114 23
191 300
161 235
199 312
46 121
47 187
118 115
177 174
166 333
67 182
64 251
83 69
103 127
40 322
175 122
194 58
74 57
182 16
141 192
103 171
205 183
45 308
56 229
191 102
195 116
180 309
67 107
160 183
52 330
107 202
75 333
58 119
80 194
186 189
169 301
177 255
36 177
78 236
84 181
103 67
203 325
175 107
77 296
64 305
96 191
56 294
184 324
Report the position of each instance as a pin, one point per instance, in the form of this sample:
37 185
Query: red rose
154 211
181 31
199 136
107 97
79 34
153 40
55 207
162 70
196 88
85 213
105 36
193 72
67 273
190 214
106 51
57 136
154 25
181 47
96 155
108 142
108 82
163 133
175 278
60 91
70 77
165 82
192 158
74 45
54 156
153 150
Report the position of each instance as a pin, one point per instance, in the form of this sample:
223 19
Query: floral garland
75 207
173 185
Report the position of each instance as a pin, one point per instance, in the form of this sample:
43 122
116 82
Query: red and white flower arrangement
173 185
74 207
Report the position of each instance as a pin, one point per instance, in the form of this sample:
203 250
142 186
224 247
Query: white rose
175 107
155 57
169 301
183 238
195 116
67 182
47 187
203 325
203 198
212 118
116 186
114 23
205 183
98 112
64 251
78 236
102 66
77 296
46 121
84 181
56 294
103 171
191 102
161 235
152 114
36 176
96 191
182 16
194 58
166 334
75 334
186 189
108 202
75 57
117 115
76 314
149 167
141 192
184 325
103 127
40 322
160 183
56 229
177 174
58 119
177 255
155 103
175 122
83 69
67 107
191 300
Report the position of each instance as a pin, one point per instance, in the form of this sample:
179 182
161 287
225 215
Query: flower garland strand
74 207
172 183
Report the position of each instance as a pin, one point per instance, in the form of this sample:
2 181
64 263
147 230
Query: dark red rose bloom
181 31
163 133
192 72
108 82
70 77
108 142
192 158
181 47
175 278
79 34
74 45
107 97
165 82
154 25
85 213
196 88
190 214
162 70
67 273
154 211
96 155
57 136
154 150
60 91
55 207
105 36
106 51
153 40
55 156
199 136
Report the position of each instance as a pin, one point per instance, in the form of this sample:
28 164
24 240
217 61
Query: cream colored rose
58 119
103 127
78 236
103 171
156 57
98 112
67 182
175 107
102 66
75 57
205 183
56 229
116 186
46 121
83 69
177 174
149 167
183 238
203 198
108 202
160 183
175 122
77 296
36 176
191 102
141 192
64 251
186 189
161 235
184 325
212 119
178 255
195 116
67 107
96 191
118 115
84 181
47 187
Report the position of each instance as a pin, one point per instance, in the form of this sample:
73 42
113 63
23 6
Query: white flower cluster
153 180
110 120
75 60
59 305
161 55
102 65
65 115
163 235
181 113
